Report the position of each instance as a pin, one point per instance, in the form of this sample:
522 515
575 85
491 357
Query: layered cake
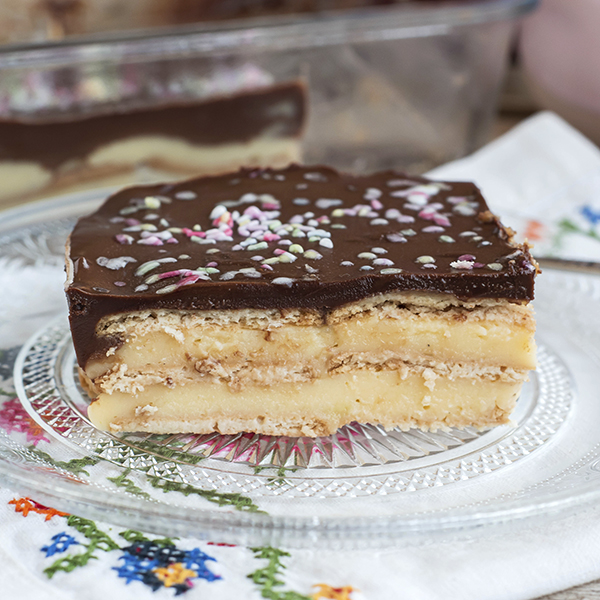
47 151
294 301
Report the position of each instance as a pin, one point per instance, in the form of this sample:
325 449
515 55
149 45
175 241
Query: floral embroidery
27 505
158 564
332 593
60 543
13 417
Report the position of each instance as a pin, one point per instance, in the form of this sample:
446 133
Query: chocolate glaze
418 235
277 111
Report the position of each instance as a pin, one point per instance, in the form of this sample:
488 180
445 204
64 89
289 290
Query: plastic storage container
405 87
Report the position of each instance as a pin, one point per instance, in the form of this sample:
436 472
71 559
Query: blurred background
101 93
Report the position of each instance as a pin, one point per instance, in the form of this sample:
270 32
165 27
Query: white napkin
542 178
540 172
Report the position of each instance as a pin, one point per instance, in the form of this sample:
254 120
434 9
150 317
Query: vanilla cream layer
404 397
24 178
178 348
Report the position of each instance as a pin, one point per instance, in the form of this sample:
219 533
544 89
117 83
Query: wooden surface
589 591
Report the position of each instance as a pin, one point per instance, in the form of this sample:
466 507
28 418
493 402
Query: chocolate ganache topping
302 237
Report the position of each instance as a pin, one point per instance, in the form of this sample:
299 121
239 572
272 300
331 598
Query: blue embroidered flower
60 543
591 215
158 565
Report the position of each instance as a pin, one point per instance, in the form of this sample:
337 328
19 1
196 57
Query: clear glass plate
361 486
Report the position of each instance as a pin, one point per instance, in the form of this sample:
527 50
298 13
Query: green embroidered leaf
268 578
75 466
98 540
239 502
135 537
123 481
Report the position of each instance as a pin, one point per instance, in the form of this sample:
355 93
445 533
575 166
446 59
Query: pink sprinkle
271 237
172 241
123 238
456 199
132 222
212 264
169 274
376 205
120 283
151 241
466 257
279 251
405 219
270 206
191 233
267 267
478 265
188 280
427 214
441 220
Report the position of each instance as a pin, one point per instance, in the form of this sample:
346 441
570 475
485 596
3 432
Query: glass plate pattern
362 486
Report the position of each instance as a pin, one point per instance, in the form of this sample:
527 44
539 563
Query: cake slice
294 301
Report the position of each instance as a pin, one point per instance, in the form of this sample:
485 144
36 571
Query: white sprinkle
467 234
379 222
259 246
338 226
326 243
408 232
462 264
311 269
463 210
446 239
315 176
395 237
128 210
272 261
312 254
366 268
383 262
114 264
379 250
372 194
283 281
185 195
212 251
141 288
218 211
346 263
227 276
325 203
495 266
257 258
367 255
390 271
147 267
167 289
250 272
152 202
301 186
477 238
485 243
184 256
424 260
198 240
287 257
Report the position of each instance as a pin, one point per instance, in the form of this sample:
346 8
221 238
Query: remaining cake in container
239 117
294 301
